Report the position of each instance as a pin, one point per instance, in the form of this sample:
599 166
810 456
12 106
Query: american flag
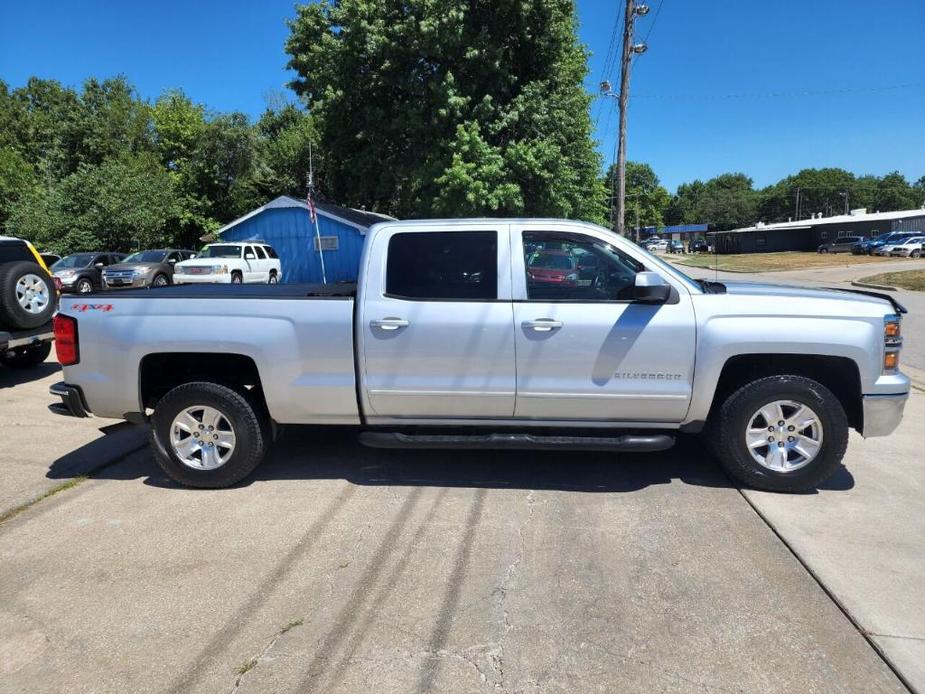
311 207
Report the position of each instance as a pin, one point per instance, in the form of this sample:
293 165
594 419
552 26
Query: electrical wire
783 94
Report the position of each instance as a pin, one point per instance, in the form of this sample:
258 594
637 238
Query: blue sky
683 121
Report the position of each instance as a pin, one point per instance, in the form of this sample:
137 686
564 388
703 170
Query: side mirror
172 261
650 288
250 256
193 255
98 265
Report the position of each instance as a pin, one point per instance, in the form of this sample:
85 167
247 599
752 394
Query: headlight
66 273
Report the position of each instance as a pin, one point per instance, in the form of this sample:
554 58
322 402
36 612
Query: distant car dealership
809 234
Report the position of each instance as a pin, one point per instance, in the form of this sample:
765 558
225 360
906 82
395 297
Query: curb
868 285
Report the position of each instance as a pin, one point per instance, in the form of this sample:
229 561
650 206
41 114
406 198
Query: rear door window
435 266
260 254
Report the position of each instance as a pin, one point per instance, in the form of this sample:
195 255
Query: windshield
221 252
146 257
73 261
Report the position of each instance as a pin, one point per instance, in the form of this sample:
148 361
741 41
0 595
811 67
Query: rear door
262 264
585 350
436 321
250 271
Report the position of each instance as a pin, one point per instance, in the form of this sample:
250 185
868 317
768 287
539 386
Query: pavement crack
496 654
253 662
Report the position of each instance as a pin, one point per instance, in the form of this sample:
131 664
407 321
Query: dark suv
843 244
83 272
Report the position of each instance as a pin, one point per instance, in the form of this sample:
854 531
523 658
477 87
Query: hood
793 292
130 266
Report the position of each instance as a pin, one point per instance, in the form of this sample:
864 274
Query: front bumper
140 281
882 413
72 400
224 278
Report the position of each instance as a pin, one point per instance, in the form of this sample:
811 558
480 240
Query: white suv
911 248
248 262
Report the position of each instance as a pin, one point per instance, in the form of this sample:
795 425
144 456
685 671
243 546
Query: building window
443 265
823 235
328 243
761 240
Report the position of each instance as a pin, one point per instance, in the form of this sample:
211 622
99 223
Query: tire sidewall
10 310
83 282
160 281
250 438
735 417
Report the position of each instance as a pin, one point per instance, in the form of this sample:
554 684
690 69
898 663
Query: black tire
272 279
823 250
916 253
83 286
26 357
729 430
12 313
250 426
160 280
237 278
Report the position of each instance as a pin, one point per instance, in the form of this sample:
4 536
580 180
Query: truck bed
341 290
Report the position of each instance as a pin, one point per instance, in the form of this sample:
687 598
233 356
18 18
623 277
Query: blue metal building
285 224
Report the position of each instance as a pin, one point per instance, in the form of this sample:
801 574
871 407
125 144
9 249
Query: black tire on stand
28 297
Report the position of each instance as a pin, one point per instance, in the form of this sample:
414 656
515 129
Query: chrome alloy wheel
784 435
32 293
202 437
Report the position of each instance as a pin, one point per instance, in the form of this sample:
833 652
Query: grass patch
907 279
292 625
246 666
64 486
776 262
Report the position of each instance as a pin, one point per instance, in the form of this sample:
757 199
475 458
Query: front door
436 316
585 349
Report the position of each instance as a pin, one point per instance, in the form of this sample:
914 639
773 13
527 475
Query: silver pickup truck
500 333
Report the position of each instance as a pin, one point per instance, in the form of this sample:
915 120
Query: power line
609 60
783 94
654 20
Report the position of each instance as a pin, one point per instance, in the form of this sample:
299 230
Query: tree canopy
450 107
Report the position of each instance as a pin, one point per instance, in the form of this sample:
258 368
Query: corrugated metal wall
290 232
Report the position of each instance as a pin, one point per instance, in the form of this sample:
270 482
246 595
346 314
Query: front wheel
208 435
916 253
160 281
781 433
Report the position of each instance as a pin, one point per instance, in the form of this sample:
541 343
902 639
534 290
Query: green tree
727 201
423 105
646 199
894 193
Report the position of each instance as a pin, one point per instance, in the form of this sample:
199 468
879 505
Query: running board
627 443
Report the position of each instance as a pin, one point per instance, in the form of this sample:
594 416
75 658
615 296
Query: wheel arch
840 375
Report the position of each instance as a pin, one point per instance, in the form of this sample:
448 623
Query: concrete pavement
340 569
31 437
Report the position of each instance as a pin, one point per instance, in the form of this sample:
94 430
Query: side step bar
628 443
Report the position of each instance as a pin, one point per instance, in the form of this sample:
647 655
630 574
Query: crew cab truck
450 341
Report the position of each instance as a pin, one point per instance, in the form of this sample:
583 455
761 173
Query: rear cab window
271 252
443 266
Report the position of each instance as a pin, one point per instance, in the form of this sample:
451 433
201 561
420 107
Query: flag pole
312 213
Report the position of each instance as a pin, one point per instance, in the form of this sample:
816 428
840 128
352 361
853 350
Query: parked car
446 343
699 246
145 269
871 246
231 263
552 267
660 246
843 244
28 299
82 273
675 246
910 248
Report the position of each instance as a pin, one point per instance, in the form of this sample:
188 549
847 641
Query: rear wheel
27 295
208 435
236 278
781 433
26 357
273 279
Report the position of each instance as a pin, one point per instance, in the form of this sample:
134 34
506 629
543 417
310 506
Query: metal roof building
809 234
285 224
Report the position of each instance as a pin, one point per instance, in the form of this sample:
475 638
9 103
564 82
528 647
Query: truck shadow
14 377
317 454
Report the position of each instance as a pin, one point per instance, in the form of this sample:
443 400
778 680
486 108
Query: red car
553 267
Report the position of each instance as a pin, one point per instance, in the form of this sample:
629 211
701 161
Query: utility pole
626 62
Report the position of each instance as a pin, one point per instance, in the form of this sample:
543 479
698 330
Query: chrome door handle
389 323
542 325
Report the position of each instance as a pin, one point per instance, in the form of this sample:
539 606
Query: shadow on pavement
14 377
312 453
119 440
